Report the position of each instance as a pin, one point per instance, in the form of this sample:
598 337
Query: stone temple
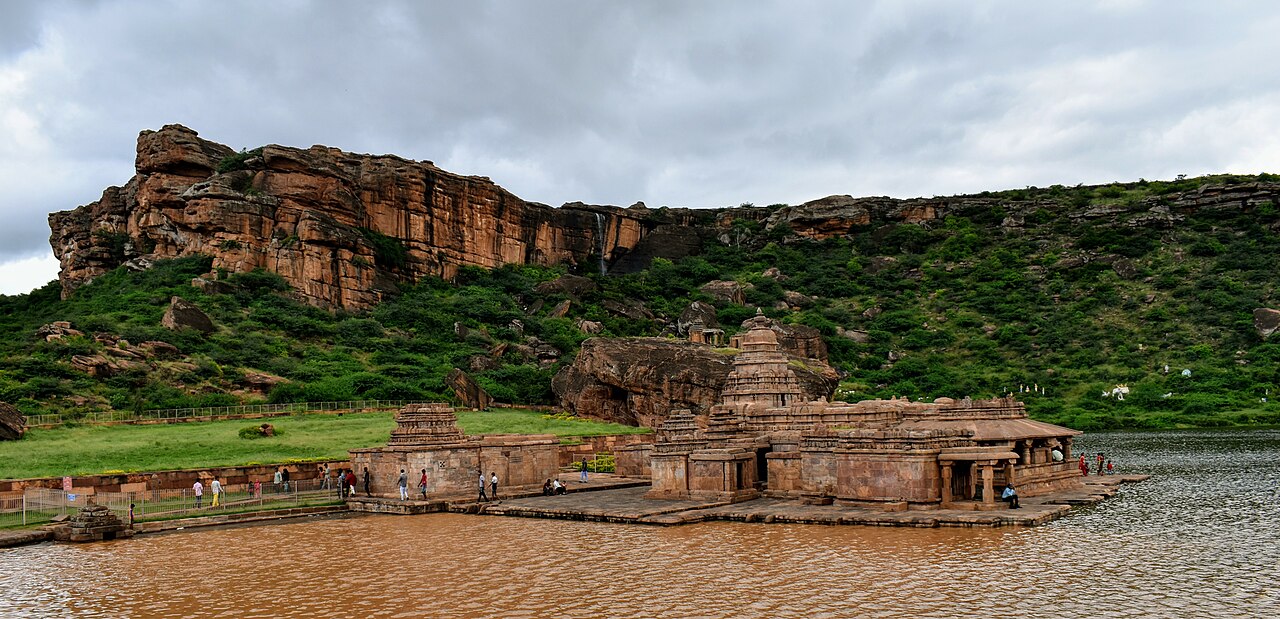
427 437
764 439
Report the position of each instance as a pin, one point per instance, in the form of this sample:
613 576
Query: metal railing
207 413
42 505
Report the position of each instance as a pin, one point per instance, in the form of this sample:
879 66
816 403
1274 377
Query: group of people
215 488
553 487
487 485
493 487
346 481
1105 466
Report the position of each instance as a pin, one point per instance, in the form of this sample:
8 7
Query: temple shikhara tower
764 438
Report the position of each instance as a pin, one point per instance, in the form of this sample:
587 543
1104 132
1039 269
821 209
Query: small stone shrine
763 438
95 523
427 437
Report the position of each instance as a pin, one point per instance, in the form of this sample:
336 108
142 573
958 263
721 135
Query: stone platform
629 505
19 537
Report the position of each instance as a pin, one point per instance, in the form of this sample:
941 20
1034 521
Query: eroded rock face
1266 321
307 215
639 381
12 424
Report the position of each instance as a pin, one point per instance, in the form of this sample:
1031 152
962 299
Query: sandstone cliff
342 228
639 381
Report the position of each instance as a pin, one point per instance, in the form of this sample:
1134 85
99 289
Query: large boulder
697 313
182 314
639 381
1266 321
801 341
469 392
571 285
725 290
12 423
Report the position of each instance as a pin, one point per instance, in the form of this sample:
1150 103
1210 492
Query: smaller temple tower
761 375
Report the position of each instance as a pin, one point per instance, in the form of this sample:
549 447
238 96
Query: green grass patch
90 450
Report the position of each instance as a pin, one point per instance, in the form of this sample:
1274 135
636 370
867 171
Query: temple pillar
988 484
946 483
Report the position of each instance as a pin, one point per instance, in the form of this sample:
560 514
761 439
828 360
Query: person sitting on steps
1010 496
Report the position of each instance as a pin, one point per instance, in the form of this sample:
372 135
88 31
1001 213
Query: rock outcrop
182 314
639 381
1266 321
726 291
469 392
55 331
12 423
340 227
698 313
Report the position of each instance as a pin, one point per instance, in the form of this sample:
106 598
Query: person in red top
422 484
1084 467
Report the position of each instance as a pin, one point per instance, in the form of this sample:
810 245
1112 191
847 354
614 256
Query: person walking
404 485
366 482
422 484
483 498
278 480
493 485
350 481
1084 467
324 477
584 470
1101 460
199 490
284 475
216 488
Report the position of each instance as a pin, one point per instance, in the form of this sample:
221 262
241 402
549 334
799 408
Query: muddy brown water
1201 539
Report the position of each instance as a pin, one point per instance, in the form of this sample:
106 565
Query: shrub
256 432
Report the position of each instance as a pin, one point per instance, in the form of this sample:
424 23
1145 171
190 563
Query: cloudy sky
700 104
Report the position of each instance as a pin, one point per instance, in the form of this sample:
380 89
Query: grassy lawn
103 449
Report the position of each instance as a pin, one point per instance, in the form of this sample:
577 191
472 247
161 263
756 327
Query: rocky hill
328 275
344 229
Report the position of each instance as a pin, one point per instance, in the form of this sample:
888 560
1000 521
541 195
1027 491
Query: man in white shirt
199 489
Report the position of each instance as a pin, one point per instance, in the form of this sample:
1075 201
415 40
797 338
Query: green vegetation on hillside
964 306
87 450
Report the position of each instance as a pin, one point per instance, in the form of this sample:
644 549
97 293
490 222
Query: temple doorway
962 481
762 467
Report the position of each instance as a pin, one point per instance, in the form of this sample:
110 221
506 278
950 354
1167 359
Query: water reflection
1197 541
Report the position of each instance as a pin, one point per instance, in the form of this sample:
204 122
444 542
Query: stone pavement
629 505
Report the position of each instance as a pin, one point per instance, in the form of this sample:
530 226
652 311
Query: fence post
24 507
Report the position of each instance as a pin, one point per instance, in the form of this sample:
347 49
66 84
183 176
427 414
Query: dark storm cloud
692 104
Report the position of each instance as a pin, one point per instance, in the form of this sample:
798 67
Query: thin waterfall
600 233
